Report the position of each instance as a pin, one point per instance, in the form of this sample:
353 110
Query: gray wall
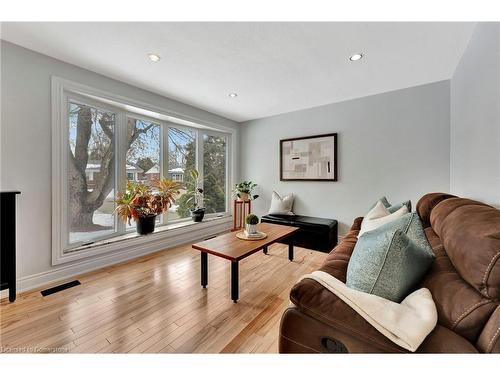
26 140
475 118
395 144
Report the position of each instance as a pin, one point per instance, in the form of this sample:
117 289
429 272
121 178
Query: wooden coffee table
229 247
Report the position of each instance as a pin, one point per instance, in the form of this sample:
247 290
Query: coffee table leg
264 250
290 250
204 269
234 281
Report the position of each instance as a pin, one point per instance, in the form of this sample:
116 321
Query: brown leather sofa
464 281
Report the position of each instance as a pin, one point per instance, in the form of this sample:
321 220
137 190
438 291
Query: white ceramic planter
251 228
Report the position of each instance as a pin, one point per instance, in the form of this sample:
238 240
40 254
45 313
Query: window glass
91 173
143 153
214 172
181 161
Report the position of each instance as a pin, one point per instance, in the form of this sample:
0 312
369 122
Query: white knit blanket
406 324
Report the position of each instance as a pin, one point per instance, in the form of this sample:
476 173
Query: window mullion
228 176
121 162
164 129
199 156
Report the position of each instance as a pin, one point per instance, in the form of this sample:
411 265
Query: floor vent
58 288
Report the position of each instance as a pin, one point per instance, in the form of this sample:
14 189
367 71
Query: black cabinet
314 233
8 242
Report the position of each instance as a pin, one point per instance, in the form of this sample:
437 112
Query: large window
105 144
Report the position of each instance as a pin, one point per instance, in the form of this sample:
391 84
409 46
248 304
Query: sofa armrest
356 225
312 299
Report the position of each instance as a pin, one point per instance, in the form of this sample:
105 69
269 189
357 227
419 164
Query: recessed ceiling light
233 95
356 57
154 57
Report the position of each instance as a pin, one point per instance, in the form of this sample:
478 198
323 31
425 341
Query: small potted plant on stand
243 191
251 222
140 203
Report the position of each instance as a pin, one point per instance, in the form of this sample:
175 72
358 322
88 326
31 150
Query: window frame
64 91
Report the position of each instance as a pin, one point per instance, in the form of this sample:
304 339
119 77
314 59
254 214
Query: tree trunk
82 219
80 212
82 202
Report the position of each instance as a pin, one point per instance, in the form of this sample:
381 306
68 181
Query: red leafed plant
139 200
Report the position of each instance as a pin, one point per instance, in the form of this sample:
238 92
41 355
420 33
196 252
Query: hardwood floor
156 304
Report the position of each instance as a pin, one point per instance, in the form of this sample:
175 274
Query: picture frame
309 158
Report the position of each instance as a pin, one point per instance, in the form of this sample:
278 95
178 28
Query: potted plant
140 203
251 222
198 211
243 191
194 196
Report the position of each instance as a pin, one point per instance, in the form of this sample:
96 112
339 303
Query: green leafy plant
245 188
252 219
194 198
195 192
139 200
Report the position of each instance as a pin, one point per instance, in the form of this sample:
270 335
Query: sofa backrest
465 278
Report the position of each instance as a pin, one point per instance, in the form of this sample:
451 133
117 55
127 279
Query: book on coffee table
252 235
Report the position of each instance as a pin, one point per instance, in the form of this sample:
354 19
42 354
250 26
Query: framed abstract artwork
312 158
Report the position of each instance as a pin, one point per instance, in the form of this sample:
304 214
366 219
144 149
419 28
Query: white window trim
59 88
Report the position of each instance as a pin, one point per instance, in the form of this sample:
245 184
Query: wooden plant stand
241 210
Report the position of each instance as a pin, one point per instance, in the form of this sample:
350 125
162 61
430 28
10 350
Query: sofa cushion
460 307
393 207
470 233
387 263
489 340
372 221
397 206
427 203
443 340
411 225
377 211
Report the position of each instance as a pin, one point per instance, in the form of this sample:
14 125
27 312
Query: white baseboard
63 272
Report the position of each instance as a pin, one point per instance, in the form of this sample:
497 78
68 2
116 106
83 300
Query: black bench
315 233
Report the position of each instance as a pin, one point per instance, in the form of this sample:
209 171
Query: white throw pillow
379 210
281 206
373 223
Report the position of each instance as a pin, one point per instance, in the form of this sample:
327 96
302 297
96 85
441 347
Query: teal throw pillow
390 261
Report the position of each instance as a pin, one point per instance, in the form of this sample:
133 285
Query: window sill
163 237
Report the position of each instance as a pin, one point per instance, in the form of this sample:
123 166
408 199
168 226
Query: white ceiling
274 67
